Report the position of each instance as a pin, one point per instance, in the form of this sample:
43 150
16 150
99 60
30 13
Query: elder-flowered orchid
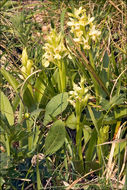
79 93
82 34
86 43
55 49
94 33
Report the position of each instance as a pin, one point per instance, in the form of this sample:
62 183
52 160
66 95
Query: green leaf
12 81
93 118
102 138
4 125
86 133
28 99
35 113
39 88
104 72
103 76
6 108
15 102
115 100
55 138
120 113
55 106
119 147
105 60
91 146
71 121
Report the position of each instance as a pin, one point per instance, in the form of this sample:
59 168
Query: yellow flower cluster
79 93
82 27
55 49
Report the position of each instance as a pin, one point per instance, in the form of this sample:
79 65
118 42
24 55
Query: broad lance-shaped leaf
55 106
106 60
11 80
6 109
102 138
55 138
39 88
28 98
71 121
104 72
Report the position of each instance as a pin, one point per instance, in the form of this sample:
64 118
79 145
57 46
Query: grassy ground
63 116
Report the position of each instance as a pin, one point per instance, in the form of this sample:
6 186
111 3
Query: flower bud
24 57
29 66
23 70
26 115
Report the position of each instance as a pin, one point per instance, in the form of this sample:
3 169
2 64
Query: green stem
96 86
62 75
30 139
39 184
20 119
79 135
